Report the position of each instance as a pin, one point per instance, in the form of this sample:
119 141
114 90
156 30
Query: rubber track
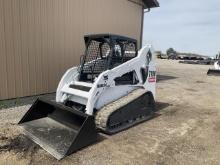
102 115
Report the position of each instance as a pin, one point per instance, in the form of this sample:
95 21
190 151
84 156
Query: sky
191 26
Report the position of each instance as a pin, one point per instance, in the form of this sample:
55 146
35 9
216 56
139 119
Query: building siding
41 39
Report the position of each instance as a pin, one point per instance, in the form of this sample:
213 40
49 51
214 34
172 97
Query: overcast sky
187 26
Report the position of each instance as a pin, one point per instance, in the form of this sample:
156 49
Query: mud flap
58 129
213 72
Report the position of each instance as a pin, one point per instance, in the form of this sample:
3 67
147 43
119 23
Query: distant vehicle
172 54
216 70
160 55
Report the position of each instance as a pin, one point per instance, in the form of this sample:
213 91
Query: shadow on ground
160 106
165 78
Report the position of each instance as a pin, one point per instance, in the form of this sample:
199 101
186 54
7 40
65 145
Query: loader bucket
58 129
213 72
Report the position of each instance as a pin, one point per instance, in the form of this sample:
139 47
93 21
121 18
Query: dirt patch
217 127
17 144
200 82
3 138
191 90
15 147
171 112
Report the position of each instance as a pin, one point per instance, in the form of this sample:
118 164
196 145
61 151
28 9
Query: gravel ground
6 104
185 131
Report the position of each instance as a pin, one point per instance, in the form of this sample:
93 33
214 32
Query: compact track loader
112 90
216 70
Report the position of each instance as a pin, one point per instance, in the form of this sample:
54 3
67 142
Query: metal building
40 39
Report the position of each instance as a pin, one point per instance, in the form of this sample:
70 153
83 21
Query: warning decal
152 77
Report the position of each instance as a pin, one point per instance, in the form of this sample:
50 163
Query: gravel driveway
185 131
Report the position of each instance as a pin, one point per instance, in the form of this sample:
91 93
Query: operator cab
103 52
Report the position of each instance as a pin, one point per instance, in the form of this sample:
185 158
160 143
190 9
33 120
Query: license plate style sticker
152 77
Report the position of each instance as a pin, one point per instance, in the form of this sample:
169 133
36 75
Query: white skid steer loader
216 70
112 90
